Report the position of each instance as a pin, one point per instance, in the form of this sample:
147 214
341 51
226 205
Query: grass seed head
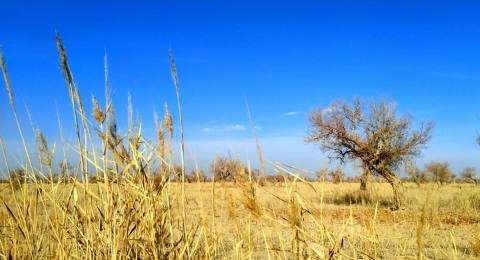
97 111
168 121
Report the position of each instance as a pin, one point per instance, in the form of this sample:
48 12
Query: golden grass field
282 221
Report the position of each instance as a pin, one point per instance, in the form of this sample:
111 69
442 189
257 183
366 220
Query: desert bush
196 176
360 197
469 175
224 169
336 176
65 170
111 175
440 172
276 178
321 174
416 175
18 177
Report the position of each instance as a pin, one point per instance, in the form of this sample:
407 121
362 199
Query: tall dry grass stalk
72 93
263 169
6 79
173 69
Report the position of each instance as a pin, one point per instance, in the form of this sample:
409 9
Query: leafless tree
440 172
469 175
225 169
416 175
336 175
373 135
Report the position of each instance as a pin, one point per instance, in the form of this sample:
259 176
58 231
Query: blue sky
285 58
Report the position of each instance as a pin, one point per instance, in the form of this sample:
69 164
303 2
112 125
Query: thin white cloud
292 113
226 128
235 128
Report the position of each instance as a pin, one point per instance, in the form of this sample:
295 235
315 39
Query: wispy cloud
292 113
225 128
235 128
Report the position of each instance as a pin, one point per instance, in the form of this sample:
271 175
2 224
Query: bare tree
337 175
416 175
375 136
469 175
225 169
440 172
321 174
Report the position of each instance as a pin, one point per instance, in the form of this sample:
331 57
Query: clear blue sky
286 58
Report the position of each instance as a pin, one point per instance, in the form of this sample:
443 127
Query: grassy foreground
286 220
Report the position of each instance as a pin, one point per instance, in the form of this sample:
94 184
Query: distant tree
175 173
336 176
65 170
469 175
376 137
416 175
18 177
276 178
321 174
440 172
225 169
196 176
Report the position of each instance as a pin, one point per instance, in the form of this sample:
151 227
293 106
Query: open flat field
232 221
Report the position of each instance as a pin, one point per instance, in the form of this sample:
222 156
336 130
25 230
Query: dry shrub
360 197
17 178
336 176
276 178
440 172
196 176
224 169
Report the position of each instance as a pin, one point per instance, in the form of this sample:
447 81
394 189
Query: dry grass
134 210
288 217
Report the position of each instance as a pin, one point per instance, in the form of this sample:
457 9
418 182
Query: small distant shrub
196 176
18 177
277 178
336 176
321 174
361 197
111 177
416 175
224 169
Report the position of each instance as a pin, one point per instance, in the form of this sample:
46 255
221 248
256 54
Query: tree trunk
396 187
397 201
364 180
363 183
